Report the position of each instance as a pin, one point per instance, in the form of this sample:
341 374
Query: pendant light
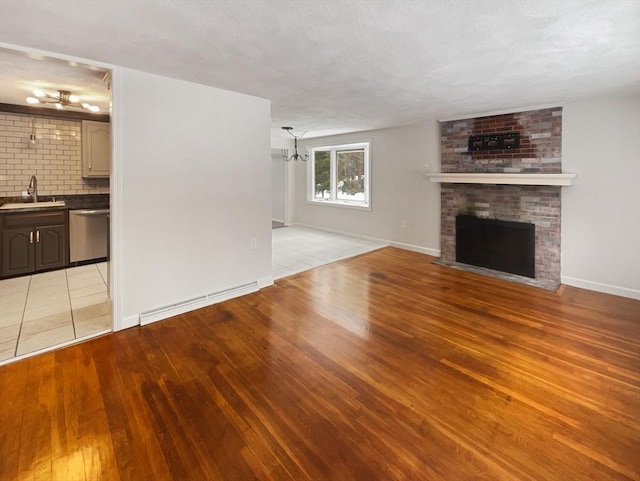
32 142
295 155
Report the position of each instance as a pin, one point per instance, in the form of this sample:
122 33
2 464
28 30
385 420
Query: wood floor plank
381 367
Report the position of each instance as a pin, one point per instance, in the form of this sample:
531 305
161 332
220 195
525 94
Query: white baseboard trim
180 307
127 322
341 232
265 282
600 287
399 245
153 315
414 248
277 220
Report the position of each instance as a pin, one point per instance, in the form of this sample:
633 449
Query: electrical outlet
403 224
253 243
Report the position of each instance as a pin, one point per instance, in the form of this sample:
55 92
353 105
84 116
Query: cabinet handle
38 236
31 237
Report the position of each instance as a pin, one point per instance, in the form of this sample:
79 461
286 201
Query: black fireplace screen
496 244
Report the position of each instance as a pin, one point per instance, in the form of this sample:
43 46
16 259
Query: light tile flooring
43 310
297 249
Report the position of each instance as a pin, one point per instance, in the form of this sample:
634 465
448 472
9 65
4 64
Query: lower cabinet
33 242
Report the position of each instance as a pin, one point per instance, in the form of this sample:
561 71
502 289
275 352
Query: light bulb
32 100
85 105
74 99
94 108
39 93
59 106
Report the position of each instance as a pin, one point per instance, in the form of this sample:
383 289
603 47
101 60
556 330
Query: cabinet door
96 149
17 251
51 247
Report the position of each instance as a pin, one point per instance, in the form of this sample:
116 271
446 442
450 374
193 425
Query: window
339 175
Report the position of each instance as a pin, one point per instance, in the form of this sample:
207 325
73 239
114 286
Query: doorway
60 305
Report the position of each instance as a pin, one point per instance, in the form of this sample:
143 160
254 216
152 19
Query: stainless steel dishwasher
88 234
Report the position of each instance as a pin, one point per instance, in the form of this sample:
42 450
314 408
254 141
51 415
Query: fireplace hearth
496 244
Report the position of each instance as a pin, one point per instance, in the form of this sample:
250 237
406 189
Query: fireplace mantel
501 178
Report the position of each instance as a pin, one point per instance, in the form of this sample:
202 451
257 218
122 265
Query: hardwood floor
382 367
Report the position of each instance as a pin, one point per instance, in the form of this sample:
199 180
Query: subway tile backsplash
55 160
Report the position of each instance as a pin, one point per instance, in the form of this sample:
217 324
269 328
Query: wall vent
157 314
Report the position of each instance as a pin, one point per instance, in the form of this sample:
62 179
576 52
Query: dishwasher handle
90 212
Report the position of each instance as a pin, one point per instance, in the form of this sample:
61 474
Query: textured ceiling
336 66
21 74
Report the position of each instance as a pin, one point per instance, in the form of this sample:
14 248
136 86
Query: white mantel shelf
502 178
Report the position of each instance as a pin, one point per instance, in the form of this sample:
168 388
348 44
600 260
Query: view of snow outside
349 167
326 195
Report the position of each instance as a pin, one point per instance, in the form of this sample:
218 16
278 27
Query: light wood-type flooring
381 367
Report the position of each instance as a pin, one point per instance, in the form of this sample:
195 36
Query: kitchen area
54 204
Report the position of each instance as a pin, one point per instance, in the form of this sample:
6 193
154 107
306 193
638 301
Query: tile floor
43 310
297 249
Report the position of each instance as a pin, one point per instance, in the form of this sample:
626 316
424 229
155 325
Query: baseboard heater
153 315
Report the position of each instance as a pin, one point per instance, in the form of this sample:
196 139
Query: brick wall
540 151
540 143
539 205
56 160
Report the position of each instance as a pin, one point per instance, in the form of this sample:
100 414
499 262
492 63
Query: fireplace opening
496 244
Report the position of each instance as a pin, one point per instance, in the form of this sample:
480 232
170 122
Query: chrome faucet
32 190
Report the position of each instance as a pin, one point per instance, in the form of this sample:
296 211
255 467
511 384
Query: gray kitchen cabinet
96 149
33 242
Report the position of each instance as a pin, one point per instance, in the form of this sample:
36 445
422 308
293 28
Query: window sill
342 204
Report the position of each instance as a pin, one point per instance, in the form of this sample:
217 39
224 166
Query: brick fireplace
538 152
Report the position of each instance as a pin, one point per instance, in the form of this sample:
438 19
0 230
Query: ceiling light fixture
33 140
62 100
295 155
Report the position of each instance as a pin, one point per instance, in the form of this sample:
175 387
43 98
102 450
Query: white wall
601 211
278 187
281 183
193 188
399 189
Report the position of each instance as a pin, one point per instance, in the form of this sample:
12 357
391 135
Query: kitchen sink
33 205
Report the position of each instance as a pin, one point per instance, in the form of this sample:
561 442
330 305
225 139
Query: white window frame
333 200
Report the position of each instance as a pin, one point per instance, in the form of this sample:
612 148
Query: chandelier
64 99
295 155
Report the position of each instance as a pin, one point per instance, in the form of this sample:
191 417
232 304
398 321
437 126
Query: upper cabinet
96 149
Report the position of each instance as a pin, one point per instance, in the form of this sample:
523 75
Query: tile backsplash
55 160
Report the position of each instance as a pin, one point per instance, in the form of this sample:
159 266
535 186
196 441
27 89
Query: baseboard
277 220
127 322
265 282
159 313
399 245
600 287
414 248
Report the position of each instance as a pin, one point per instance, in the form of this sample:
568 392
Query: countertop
84 201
